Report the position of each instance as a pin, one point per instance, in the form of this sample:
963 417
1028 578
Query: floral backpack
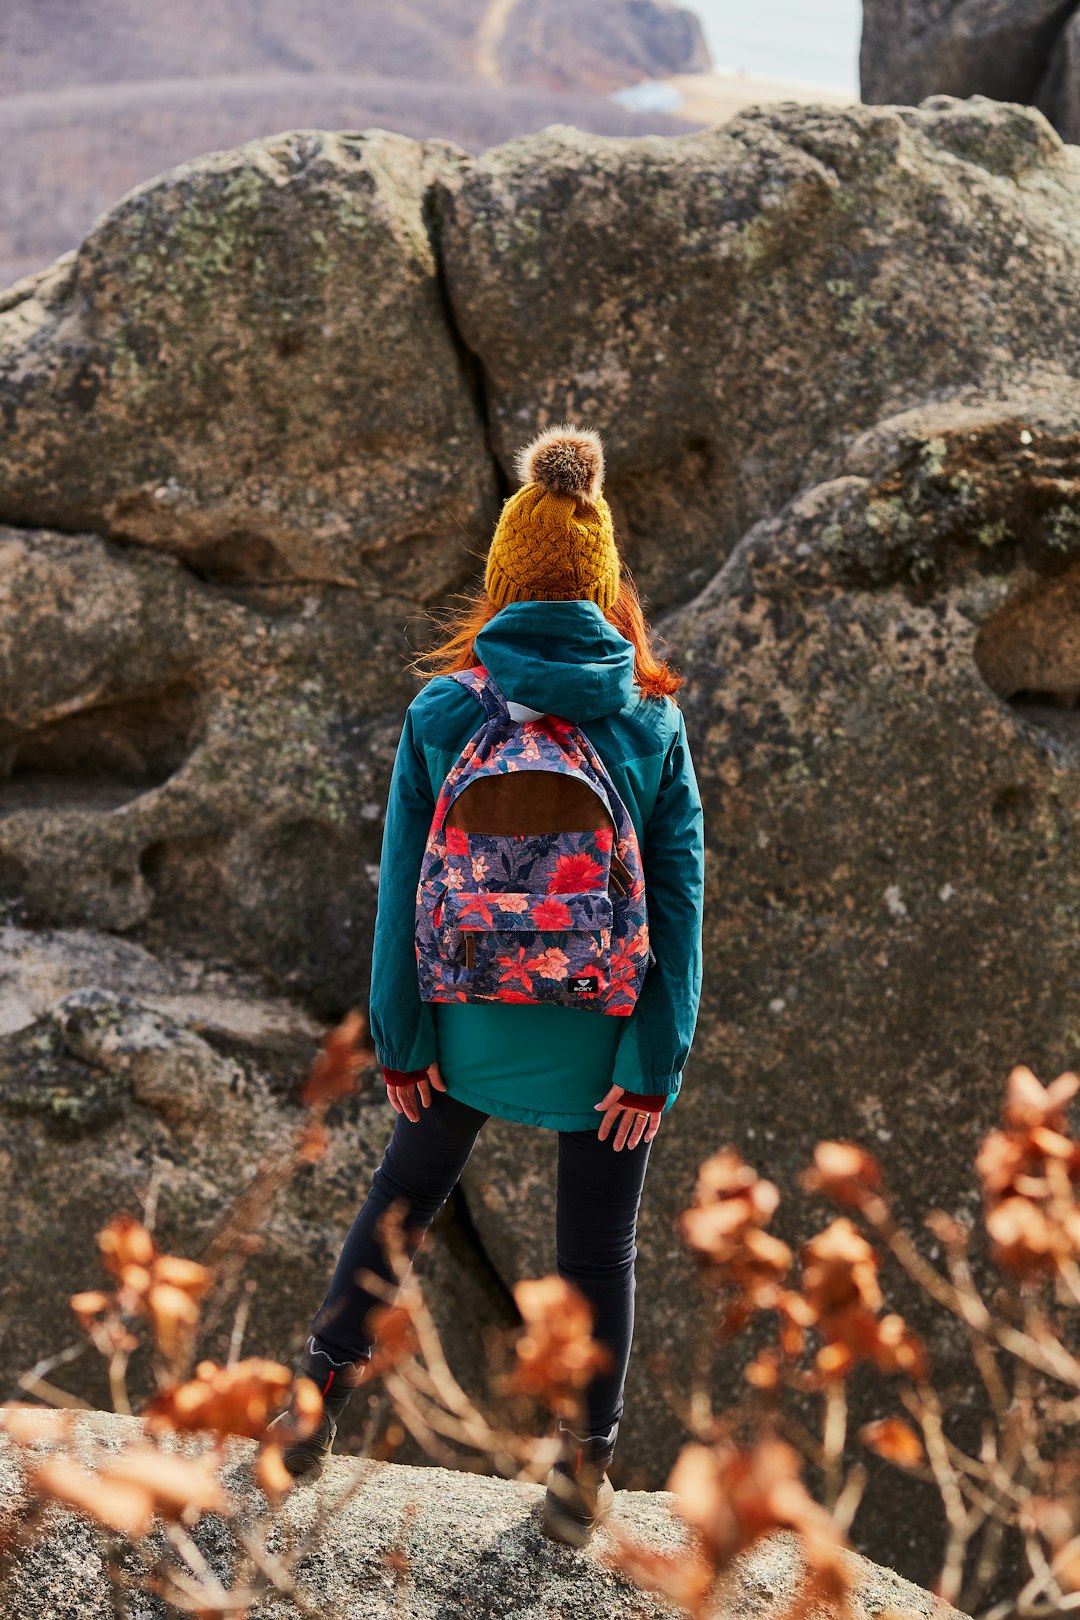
531 887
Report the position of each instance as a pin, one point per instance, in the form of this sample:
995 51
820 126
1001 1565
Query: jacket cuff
652 1102
408 1055
403 1077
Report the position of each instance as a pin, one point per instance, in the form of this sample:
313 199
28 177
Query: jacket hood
562 658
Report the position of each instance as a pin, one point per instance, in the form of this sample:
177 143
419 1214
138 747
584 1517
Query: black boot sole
306 1459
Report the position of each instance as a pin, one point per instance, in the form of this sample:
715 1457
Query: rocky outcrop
213 375
735 305
430 1544
192 761
1011 50
40 969
831 355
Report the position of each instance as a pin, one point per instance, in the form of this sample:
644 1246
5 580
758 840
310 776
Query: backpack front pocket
527 947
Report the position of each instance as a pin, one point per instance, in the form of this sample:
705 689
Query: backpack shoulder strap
484 689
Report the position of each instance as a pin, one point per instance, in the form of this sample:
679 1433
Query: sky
812 41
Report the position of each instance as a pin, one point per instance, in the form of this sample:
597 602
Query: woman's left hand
633 1124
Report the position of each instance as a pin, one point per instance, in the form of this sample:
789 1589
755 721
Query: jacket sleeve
402 1027
659 1032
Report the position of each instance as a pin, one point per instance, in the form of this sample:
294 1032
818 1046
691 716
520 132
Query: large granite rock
831 353
428 1544
732 306
194 763
247 364
1012 50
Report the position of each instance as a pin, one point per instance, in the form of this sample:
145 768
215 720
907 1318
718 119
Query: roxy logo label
584 984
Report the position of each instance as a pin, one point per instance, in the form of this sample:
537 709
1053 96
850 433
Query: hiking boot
335 1381
579 1494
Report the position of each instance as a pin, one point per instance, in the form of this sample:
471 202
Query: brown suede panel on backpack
525 803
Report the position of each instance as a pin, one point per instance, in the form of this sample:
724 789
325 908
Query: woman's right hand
403 1098
631 1123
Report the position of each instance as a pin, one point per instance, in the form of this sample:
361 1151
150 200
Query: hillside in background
552 44
97 99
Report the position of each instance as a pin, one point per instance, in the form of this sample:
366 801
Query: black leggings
598 1196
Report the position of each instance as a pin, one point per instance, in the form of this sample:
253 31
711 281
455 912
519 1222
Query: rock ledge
471 1546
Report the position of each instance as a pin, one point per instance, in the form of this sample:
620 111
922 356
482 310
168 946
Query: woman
560 630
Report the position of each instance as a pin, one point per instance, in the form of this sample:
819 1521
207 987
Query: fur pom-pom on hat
567 460
555 539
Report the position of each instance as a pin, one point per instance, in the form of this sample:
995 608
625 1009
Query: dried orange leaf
734 1496
396 1337
894 1440
834 1362
240 1399
953 1234
28 1424
840 1271
125 1242
136 1279
181 1487
116 1504
334 1072
844 1172
556 1355
313 1142
187 1275
684 1578
271 1472
1062 1090
175 1315
764 1371
89 1305
1025 1240
1031 1104
898 1349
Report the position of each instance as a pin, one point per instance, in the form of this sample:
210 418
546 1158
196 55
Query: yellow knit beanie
555 541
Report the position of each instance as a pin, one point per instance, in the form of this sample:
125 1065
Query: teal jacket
562 658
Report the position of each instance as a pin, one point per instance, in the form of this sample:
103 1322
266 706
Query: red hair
461 627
